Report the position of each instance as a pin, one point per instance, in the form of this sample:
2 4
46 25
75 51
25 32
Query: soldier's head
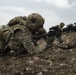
35 21
62 24
75 23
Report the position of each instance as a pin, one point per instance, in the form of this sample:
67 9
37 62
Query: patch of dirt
53 61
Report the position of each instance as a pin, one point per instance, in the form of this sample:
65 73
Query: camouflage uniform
18 36
17 20
35 24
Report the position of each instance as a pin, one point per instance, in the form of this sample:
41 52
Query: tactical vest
9 38
8 32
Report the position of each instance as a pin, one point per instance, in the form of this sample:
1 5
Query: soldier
75 27
35 24
57 30
18 35
60 29
61 26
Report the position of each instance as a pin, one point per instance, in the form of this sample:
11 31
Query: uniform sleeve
31 47
27 43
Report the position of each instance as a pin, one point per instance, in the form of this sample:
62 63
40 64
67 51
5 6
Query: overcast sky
53 11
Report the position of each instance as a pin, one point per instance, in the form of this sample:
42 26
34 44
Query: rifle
70 28
53 31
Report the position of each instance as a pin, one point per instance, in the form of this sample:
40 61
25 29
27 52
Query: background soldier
60 29
57 31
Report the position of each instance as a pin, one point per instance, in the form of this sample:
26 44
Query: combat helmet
35 20
62 24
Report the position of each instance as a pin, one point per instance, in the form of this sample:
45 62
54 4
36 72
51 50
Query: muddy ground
53 61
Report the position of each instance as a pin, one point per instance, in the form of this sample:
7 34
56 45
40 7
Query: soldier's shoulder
18 27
